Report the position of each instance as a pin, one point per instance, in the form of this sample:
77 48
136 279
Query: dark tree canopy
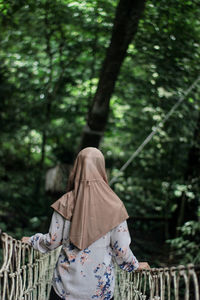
61 62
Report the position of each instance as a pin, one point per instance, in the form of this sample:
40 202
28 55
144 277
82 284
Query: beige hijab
91 205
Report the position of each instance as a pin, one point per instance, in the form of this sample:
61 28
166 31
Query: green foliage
51 54
185 248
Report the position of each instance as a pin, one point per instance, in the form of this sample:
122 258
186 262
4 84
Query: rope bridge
26 274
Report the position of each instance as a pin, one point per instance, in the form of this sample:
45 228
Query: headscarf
90 204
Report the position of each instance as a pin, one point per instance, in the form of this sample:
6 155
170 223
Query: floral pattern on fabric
84 256
103 282
89 273
119 251
122 229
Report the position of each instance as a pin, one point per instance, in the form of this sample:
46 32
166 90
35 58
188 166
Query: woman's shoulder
122 227
64 205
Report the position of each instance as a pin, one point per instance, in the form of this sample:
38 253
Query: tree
51 56
128 14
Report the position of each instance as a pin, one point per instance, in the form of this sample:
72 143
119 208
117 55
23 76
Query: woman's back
89 273
89 221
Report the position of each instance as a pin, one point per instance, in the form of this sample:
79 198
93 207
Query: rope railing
26 274
155 129
174 283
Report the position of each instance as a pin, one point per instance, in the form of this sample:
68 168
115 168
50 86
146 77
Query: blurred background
104 74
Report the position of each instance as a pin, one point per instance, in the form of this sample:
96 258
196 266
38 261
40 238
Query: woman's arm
120 241
53 239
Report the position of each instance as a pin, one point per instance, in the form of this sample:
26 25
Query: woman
89 221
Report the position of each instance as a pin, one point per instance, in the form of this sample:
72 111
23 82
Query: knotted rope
26 274
175 283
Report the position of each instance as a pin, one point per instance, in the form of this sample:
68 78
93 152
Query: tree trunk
128 14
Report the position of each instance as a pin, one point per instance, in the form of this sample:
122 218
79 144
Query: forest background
103 73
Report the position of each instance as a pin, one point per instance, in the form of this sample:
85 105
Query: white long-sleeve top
89 273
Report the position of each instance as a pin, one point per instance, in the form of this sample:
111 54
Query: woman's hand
25 239
143 265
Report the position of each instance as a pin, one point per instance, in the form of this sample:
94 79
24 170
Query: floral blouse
89 273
